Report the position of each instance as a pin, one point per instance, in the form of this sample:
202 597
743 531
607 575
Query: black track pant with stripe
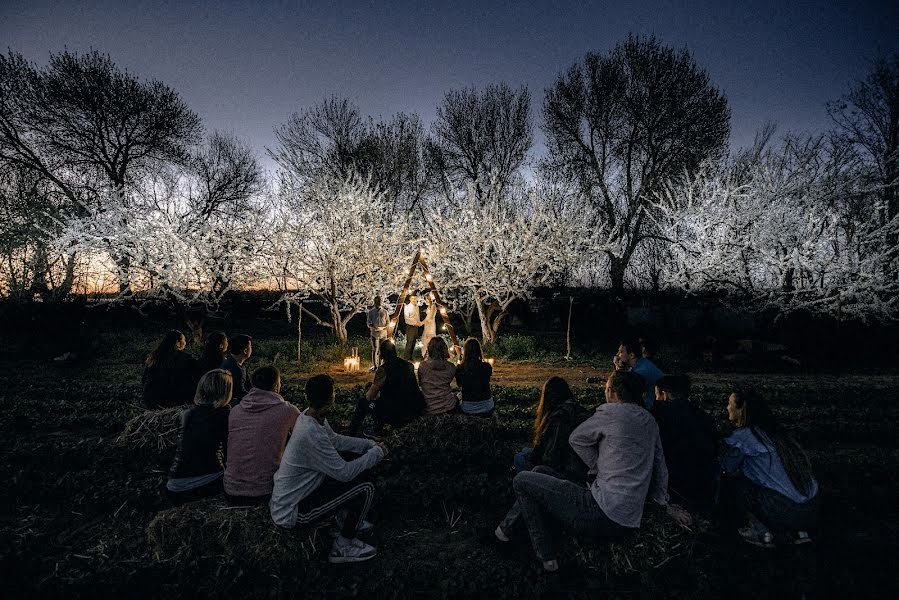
355 497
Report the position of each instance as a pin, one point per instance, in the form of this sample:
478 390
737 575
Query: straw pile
212 529
156 429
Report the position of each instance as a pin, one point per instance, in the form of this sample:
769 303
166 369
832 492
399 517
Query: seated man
689 439
393 397
630 358
241 347
620 444
257 432
314 482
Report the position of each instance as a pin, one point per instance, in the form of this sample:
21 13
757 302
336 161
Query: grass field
82 515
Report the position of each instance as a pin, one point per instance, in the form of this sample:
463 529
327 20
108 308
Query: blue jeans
521 460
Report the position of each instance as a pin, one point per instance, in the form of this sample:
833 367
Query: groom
412 316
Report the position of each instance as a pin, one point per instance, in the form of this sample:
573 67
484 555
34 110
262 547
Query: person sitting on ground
689 439
435 374
257 432
170 374
214 352
393 397
649 350
202 441
473 377
620 444
768 477
314 481
558 414
241 347
630 358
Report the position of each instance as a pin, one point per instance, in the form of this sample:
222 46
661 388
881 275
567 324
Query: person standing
412 316
241 349
377 319
430 325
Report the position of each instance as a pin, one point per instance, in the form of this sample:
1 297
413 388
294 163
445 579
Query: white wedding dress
430 330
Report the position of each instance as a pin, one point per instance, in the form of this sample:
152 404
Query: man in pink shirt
258 428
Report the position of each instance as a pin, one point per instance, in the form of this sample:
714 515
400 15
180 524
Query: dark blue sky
245 66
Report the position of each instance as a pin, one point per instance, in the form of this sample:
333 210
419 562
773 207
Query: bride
430 323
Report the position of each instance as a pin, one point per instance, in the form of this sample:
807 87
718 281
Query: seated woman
473 376
170 374
202 441
558 414
768 477
434 377
393 397
214 352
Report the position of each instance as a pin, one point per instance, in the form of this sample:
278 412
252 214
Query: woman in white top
430 323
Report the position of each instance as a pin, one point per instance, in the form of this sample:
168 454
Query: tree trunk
617 267
299 329
488 336
568 331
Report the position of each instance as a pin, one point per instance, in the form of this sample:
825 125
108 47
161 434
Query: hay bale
659 540
152 429
212 529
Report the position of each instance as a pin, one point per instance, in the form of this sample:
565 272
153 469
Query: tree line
109 182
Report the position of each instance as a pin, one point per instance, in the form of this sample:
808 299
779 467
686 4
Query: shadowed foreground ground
76 506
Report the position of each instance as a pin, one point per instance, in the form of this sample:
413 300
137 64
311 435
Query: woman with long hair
214 351
170 374
473 376
769 476
202 441
558 414
435 374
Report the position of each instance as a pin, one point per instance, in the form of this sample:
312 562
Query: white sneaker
354 550
340 517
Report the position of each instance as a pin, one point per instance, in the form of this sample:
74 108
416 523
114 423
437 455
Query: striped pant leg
355 497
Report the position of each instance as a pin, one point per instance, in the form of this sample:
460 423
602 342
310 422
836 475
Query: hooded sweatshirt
434 378
257 432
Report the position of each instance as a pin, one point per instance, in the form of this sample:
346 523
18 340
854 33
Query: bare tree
621 127
481 139
868 118
86 125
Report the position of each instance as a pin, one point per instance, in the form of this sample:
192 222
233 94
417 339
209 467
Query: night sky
245 66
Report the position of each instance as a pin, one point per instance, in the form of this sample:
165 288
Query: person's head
388 351
437 349
746 408
241 345
413 298
629 351
268 379
648 347
173 341
555 392
673 387
215 388
216 344
625 387
377 302
320 392
471 351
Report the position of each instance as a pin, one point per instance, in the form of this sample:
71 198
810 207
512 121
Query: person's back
202 441
434 377
650 373
752 455
258 428
620 443
170 383
473 377
554 451
688 437
400 398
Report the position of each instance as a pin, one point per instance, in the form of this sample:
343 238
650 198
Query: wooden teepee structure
419 263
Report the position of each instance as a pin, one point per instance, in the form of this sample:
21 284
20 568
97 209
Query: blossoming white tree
338 242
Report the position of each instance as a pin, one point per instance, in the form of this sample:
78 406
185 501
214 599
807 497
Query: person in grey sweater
314 481
620 445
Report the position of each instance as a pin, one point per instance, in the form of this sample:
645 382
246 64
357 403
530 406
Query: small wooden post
568 334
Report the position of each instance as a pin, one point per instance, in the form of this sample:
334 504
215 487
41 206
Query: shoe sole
758 543
339 560
799 542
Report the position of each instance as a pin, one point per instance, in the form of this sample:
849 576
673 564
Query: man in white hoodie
314 481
